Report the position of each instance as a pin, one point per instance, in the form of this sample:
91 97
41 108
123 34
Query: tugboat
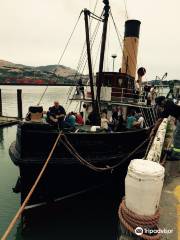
84 159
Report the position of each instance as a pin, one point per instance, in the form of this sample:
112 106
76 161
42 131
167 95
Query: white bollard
143 186
144 182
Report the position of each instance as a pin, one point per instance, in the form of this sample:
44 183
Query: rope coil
131 221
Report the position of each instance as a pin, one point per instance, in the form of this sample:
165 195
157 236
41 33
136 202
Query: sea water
92 215
31 95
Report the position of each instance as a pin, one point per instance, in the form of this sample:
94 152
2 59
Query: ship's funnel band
130 49
132 28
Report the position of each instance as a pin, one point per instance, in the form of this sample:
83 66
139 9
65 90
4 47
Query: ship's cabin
118 98
115 87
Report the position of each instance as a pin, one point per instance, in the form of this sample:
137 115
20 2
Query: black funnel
132 28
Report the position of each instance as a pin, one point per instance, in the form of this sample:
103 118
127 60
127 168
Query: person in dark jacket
56 114
167 108
81 87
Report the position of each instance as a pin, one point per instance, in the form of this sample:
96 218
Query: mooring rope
74 153
131 221
21 209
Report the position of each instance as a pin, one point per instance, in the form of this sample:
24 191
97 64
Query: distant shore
31 84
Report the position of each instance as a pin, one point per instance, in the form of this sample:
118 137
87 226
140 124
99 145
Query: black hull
65 175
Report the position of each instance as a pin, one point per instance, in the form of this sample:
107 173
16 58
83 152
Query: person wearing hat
168 108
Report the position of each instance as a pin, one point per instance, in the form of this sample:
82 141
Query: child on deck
104 121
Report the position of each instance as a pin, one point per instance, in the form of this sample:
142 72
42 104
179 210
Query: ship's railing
120 94
128 95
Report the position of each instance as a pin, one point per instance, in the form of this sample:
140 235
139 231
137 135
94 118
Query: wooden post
0 103
19 103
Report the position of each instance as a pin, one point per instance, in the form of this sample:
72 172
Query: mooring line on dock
21 209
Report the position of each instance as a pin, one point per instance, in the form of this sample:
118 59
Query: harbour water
89 216
9 202
31 96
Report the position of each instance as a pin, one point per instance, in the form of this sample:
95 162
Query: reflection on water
86 217
1 139
9 202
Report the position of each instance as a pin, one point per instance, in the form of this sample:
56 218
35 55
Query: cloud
34 32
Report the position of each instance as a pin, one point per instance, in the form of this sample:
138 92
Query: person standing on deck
137 89
104 120
81 87
153 95
168 108
56 115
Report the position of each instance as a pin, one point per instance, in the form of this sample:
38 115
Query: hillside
12 73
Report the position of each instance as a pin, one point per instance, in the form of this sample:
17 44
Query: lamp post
113 57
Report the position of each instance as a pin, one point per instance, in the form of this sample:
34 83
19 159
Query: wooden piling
0 103
19 103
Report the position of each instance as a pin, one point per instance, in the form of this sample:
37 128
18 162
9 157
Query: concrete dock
170 202
8 121
170 198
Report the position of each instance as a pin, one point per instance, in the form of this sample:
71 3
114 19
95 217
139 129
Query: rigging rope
98 50
125 5
42 95
92 40
83 52
69 39
21 209
83 58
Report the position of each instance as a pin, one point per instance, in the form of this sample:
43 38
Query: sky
34 32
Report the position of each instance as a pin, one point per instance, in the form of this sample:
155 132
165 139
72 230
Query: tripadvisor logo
139 231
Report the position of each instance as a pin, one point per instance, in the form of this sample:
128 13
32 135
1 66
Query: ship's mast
86 15
96 103
103 45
